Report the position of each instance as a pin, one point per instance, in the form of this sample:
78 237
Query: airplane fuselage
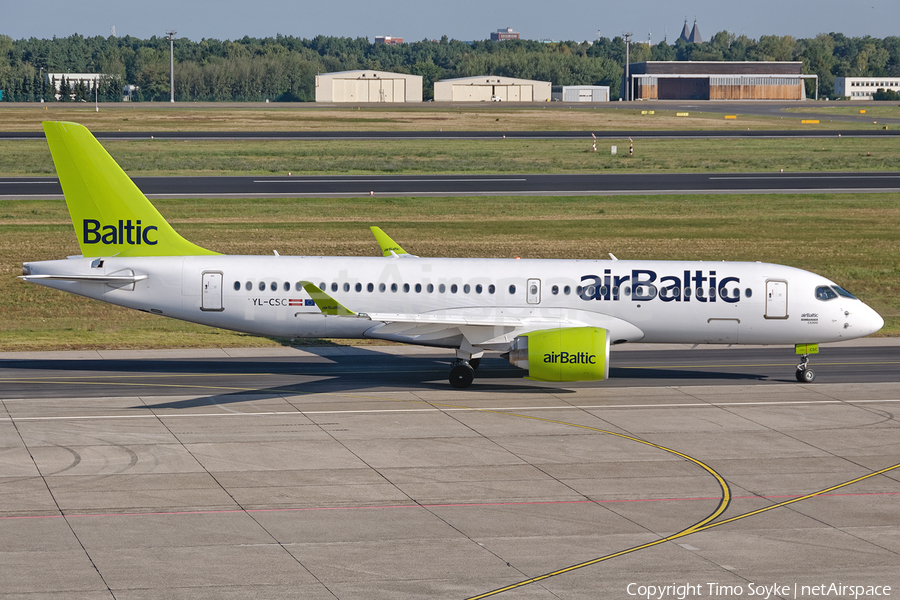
637 301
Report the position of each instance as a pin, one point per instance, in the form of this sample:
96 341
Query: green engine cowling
567 354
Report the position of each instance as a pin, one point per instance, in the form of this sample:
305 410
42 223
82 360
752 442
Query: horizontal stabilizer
90 278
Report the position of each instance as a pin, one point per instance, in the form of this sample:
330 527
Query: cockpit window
823 292
842 292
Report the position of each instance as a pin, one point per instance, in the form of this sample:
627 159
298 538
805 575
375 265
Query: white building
862 88
491 88
90 80
580 93
368 86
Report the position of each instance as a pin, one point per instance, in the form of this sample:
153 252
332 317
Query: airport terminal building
716 80
368 86
491 88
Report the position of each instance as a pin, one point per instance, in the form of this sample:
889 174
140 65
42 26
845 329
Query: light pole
171 35
627 60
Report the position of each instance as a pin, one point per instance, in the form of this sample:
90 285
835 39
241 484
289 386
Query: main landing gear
804 373
462 373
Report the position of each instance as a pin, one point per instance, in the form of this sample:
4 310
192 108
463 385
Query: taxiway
359 473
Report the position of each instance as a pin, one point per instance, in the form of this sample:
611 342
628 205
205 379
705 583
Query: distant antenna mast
171 35
112 31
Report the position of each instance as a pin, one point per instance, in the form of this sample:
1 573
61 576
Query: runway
352 473
472 185
622 134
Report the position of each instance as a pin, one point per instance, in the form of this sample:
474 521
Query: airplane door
212 291
533 291
776 299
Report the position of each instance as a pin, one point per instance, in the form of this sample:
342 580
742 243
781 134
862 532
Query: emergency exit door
533 291
211 298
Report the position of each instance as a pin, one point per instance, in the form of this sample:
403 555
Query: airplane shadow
332 371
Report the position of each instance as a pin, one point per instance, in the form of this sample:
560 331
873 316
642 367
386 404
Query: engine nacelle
567 354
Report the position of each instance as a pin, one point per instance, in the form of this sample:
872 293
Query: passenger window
466 289
687 293
346 287
370 287
418 288
406 287
567 290
430 288
442 288
491 289
555 290
273 286
453 288
478 288
262 286
287 286
748 292
237 286
512 289
358 287
735 293
248 286
334 287
393 287
322 286
381 287
824 292
297 286
626 290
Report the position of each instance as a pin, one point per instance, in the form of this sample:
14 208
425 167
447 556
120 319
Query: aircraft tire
806 375
462 376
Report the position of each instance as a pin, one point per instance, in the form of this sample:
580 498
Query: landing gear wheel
462 375
806 375
475 362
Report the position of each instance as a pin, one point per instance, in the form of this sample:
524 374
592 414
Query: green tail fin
110 214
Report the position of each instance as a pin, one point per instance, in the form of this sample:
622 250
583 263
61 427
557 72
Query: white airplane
555 318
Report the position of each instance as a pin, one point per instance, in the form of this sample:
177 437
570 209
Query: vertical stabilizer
110 214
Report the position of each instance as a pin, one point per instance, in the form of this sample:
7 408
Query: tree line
283 68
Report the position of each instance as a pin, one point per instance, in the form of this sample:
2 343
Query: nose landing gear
804 373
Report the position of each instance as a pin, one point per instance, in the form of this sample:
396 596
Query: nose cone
871 321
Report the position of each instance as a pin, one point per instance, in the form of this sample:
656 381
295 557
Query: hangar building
491 87
717 80
368 86
580 93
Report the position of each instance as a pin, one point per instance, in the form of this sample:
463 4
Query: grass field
312 157
853 239
424 117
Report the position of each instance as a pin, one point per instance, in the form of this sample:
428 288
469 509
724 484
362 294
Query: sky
415 20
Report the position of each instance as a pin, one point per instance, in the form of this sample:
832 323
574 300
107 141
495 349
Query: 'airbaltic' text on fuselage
646 285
